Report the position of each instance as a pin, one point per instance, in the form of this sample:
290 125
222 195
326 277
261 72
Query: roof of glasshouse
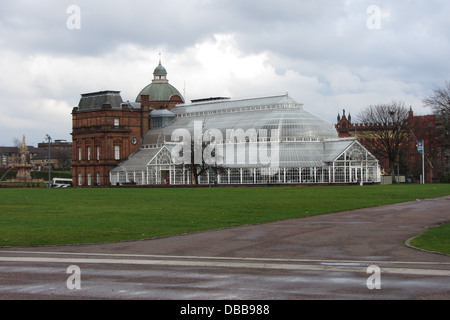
276 112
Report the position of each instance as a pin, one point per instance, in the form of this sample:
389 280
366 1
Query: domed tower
159 94
160 74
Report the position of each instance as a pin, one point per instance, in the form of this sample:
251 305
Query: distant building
60 159
9 156
422 128
60 156
57 144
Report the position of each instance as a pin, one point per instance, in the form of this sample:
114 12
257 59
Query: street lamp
49 164
421 149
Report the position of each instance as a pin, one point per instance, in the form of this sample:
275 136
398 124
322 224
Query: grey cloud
318 39
315 30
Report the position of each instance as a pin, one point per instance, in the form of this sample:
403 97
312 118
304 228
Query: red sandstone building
106 130
409 162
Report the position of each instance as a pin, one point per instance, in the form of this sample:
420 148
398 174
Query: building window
117 152
98 152
89 153
89 179
80 179
116 122
79 153
98 178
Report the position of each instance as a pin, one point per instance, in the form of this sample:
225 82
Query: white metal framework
307 148
353 165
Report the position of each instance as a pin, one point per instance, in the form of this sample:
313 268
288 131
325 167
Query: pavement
317 257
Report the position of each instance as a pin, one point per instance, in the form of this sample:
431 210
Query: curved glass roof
162 113
279 112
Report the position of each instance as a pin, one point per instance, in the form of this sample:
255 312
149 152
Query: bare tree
197 169
17 143
388 130
439 102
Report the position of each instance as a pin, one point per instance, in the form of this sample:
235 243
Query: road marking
323 261
231 263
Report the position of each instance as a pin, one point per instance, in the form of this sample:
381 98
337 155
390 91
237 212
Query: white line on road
323 261
222 263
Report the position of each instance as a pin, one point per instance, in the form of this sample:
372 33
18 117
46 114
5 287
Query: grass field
437 239
63 216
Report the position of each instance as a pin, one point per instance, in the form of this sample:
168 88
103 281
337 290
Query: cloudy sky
327 54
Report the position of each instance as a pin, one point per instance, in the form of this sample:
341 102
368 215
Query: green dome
160 89
159 92
160 70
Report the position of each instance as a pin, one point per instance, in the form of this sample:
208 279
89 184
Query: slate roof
96 100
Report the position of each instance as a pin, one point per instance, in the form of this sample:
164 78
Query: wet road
358 254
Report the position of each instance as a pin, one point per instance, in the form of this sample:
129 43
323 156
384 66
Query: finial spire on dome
160 73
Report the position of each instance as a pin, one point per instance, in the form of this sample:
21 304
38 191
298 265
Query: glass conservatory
270 140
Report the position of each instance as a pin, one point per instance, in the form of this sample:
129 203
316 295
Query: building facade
425 128
106 130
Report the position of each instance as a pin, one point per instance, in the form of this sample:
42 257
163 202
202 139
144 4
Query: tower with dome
106 129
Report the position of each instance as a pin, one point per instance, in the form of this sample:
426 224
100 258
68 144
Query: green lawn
437 239
62 216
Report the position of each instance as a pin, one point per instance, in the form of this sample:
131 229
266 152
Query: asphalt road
350 255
